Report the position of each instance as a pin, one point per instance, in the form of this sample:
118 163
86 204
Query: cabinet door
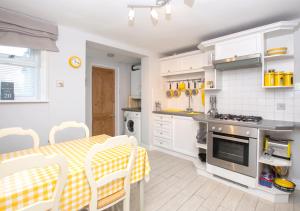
192 62
184 135
241 46
169 66
136 84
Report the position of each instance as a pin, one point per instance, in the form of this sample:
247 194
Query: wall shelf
278 57
274 161
212 89
278 87
272 190
202 146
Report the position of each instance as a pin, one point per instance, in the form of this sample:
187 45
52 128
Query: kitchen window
22 75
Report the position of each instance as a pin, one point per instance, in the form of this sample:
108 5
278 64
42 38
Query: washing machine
132 121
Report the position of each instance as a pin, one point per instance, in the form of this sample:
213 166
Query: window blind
24 79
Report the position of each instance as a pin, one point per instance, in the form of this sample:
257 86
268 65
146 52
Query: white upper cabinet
169 66
190 62
241 46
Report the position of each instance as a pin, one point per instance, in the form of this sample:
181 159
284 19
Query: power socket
280 106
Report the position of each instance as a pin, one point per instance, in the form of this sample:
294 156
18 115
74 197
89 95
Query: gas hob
238 118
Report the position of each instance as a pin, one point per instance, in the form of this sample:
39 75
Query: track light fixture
153 7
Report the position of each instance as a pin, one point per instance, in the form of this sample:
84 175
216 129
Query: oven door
235 153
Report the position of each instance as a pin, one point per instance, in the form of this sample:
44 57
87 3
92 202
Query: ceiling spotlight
154 14
168 9
131 14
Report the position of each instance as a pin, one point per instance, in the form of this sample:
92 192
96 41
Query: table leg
141 195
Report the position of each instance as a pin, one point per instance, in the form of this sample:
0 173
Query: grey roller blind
17 29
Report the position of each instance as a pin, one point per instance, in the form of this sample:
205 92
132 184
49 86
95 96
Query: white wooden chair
122 195
21 132
11 166
64 125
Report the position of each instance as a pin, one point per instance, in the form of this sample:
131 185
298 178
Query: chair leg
126 204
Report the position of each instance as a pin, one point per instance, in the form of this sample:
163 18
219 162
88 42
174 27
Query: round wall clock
75 61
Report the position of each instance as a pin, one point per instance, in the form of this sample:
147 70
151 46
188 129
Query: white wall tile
242 93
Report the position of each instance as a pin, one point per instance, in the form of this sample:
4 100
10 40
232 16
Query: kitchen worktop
179 113
264 124
132 109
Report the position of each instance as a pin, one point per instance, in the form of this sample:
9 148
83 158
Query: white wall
122 81
66 103
152 86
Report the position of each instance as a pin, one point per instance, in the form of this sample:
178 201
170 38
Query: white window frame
42 84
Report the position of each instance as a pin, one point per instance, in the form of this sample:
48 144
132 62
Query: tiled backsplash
242 93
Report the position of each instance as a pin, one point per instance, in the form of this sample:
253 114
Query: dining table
24 188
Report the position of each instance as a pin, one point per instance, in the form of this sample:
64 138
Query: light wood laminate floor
175 186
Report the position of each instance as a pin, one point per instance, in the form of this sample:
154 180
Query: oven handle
231 138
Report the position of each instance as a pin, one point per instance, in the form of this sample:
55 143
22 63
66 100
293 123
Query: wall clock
75 61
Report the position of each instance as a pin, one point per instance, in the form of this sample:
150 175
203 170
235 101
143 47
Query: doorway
103 101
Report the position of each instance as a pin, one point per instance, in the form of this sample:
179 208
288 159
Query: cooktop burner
242 118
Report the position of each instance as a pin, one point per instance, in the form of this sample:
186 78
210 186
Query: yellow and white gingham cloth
28 187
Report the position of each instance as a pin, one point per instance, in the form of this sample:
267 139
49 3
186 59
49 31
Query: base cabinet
184 135
175 133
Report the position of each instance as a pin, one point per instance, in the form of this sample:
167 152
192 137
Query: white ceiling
186 28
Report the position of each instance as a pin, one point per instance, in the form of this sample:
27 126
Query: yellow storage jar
279 78
288 79
269 79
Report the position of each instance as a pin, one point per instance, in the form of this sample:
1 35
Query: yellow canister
288 79
279 78
269 79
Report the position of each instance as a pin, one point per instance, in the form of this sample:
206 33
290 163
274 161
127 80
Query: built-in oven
233 148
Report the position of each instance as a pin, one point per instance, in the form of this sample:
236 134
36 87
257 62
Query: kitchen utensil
188 91
170 92
266 177
157 106
213 106
284 185
277 51
177 92
277 148
195 91
288 79
181 86
203 94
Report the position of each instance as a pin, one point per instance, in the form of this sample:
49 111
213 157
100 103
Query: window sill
23 101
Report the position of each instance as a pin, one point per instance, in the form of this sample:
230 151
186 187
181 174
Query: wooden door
103 101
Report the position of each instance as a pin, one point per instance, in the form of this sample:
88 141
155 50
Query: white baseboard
175 154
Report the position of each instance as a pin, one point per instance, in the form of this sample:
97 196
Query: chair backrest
123 173
21 132
11 166
64 125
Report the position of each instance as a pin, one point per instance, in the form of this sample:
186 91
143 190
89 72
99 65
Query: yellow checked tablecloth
30 186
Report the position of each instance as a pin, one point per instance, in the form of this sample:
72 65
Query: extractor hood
238 62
